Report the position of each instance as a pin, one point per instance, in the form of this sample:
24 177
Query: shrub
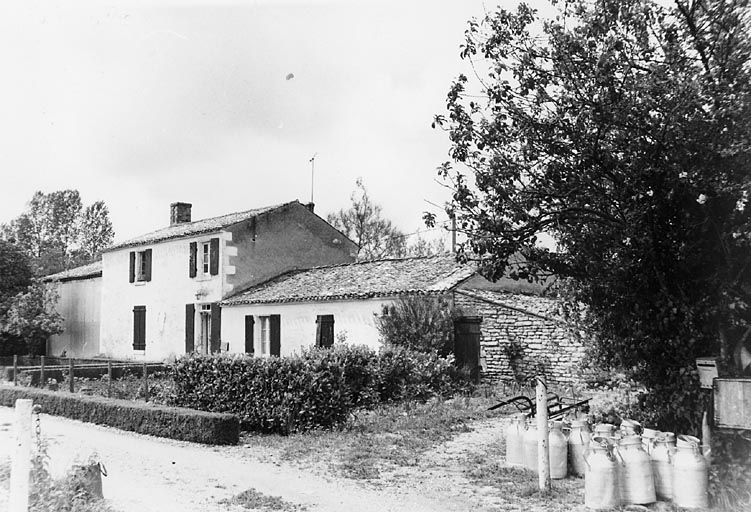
141 417
420 323
316 389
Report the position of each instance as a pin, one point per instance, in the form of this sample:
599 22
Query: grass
373 441
254 500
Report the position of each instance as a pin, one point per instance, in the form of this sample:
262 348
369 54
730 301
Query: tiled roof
83 272
195 228
379 278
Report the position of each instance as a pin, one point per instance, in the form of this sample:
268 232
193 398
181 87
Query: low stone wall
521 333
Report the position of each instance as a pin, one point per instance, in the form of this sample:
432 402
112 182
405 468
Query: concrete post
42 380
543 453
70 374
21 463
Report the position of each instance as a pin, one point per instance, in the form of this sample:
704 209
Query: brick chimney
179 213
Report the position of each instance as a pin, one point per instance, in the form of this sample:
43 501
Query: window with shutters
140 266
139 328
205 258
324 331
265 334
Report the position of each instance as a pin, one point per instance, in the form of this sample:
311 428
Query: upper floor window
204 258
140 266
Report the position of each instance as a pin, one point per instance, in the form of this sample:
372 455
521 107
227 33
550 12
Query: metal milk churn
690 474
663 451
578 442
515 441
648 436
601 475
635 479
530 445
558 449
604 430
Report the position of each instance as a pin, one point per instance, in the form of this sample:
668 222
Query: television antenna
312 171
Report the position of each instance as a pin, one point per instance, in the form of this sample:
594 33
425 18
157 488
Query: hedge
142 417
318 389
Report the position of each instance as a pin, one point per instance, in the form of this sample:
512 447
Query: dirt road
153 474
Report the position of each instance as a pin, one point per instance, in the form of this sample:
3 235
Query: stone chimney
311 206
179 213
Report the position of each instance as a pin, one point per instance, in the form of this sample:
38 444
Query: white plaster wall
298 323
79 304
165 297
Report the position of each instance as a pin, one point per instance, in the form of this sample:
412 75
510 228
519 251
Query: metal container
635 479
558 446
578 443
690 474
604 430
515 441
663 450
601 475
648 437
530 445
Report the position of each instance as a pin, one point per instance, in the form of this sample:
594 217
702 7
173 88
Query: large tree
622 128
58 233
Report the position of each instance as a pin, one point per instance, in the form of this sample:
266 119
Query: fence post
145 382
109 379
42 380
70 374
15 370
543 454
21 464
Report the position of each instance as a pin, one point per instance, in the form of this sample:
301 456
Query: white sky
143 103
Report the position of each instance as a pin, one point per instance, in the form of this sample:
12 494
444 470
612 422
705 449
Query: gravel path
153 474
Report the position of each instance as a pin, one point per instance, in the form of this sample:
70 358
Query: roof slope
82 272
196 228
378 278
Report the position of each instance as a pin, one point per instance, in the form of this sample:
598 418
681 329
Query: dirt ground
153 474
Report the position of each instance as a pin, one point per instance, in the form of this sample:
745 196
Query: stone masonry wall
530 327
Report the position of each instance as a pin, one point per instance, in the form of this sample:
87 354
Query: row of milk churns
622 466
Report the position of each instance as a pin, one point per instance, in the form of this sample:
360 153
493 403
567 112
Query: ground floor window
265 334
324 331
269 335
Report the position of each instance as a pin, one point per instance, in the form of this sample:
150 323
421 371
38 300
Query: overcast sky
143 103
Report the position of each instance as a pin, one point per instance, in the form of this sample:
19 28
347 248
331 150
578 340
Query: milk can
648 436
690 474
604 430
635 480
578 442
601 475
663 451
630 428
558 449
515 441
530 445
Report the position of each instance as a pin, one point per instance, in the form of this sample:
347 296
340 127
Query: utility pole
312 171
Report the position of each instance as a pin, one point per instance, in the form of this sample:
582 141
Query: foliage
622 129
730 473
15 276
56 232
135 416
32 317
316 389
419 323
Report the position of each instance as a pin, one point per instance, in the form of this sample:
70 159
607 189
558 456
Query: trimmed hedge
317 389
142 417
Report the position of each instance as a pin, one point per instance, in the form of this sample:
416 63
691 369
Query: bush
317 389
141 417
419 323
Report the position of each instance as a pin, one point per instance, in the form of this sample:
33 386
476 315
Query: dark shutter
249 323
190 322
216 327
193 259
325 331
132 274
147 265
274 334
214 257
139 328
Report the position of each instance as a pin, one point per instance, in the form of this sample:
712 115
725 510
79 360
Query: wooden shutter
275 335
249 323
214 257
190 323
193 259
147 265
139 328
132 274
216 328
325 331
